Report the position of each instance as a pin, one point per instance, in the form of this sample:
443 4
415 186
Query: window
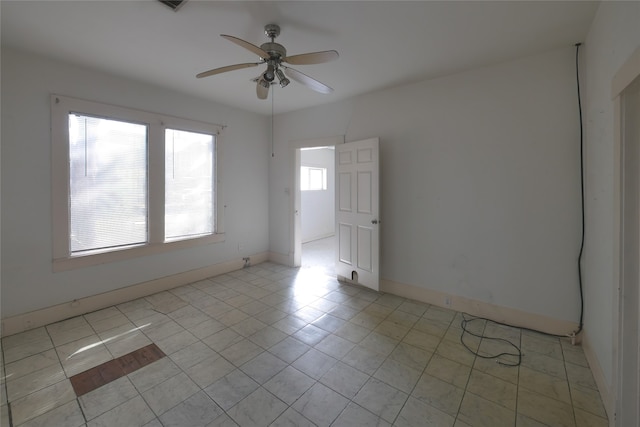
107 183
188 184
313 178
129 183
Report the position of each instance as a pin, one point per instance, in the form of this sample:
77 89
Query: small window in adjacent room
313 178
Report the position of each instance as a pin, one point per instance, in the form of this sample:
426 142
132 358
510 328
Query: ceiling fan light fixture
264 83
269 75
284 81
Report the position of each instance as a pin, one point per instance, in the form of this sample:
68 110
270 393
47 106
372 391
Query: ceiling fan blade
312 58
263 92
309 82
227 68
249 46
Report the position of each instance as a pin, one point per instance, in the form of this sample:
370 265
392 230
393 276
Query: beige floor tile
192 354
439 394
67 415
548 346
448 370
456 352
494 389
176 342
209 370
20 349
206 328
524 421
170 393
479 412
86 353
588 400
41 401
586 419
132 413
16 340
417 413
422 340
30 364
344 379
398 375
36 380
545 364
197 411
267 337
107 397
258 409
580 376
355 415
154 374
222 339
289 349
381 399
491 367
292 418
320 404
314 363
241 352
289 384
544 409
231 389
263 367
546 385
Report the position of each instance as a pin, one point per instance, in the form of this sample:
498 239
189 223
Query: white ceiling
381 43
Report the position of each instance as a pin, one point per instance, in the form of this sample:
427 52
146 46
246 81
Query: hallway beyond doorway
320 255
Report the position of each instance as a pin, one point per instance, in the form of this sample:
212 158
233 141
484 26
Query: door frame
623 285
295 254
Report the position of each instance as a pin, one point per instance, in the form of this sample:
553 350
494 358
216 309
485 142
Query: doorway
317 209
318 250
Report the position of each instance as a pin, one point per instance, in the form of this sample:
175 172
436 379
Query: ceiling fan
275 56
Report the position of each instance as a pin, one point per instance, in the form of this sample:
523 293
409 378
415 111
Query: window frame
63 259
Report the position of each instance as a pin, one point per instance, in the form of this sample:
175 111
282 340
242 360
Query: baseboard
494 312
320 237
606 393
280 258
22 322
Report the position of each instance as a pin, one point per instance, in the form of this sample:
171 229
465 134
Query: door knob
375 221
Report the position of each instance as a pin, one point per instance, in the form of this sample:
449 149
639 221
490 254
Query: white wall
614 35
317 208
28 282
479 181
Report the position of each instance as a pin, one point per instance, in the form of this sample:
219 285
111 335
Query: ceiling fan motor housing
275 50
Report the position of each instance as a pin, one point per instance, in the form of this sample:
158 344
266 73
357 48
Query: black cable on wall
518 355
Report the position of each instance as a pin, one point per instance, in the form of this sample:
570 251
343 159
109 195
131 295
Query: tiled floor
270 345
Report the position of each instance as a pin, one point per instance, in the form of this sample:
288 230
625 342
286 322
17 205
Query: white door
357 210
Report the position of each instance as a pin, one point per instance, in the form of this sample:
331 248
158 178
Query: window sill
88 260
